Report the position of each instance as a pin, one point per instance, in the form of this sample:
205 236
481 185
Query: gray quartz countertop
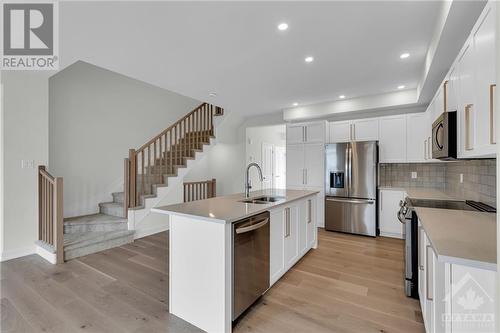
461 237
228 209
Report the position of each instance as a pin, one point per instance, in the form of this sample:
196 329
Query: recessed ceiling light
309 59
404 55
282 26
342 96
212 94
401 86
295 104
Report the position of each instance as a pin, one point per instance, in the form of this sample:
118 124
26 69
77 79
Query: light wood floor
349 284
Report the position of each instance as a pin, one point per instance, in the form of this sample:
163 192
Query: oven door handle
252 227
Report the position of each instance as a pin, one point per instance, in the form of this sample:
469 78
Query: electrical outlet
413 175
461 178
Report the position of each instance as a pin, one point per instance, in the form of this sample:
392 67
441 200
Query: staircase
146 170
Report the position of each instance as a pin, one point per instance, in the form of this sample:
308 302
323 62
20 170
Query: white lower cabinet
454 298
277 245
293 232
389 224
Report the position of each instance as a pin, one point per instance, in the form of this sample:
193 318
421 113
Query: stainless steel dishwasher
250 261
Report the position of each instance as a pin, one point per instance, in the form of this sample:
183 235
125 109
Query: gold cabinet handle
427 277
468 140
492 114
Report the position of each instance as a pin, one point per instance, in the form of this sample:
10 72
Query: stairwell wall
24 132
95 117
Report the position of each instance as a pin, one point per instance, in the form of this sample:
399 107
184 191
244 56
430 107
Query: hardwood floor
349 284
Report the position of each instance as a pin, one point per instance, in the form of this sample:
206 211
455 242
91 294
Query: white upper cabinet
452 91
476 75
416 137
392 142
294 134
365 129
314 159
466 105
354 130
340 131
295 173
485 77
313 132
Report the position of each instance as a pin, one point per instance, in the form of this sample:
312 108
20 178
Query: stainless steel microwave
444 136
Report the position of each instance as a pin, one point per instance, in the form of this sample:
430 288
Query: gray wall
95 116
24 136
479 180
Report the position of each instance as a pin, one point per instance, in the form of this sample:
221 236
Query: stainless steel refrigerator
351 187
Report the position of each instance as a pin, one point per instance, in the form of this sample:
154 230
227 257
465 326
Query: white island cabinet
201 249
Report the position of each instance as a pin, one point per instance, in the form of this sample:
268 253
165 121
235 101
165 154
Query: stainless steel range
408 217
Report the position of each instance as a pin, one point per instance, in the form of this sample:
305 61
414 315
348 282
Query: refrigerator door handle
347 171
350 169
354 201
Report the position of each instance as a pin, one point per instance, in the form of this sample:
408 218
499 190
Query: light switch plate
27 164
461 178
413 175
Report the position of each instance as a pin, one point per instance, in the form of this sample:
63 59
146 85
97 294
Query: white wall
25 137
226 161
95 117
255 137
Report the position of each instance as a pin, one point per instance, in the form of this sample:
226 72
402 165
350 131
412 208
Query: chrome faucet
247 181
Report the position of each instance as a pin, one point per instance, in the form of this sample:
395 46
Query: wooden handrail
200 190
50 211
161 156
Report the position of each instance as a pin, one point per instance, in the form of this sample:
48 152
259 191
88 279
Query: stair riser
69 229
118 197
112 210
97 247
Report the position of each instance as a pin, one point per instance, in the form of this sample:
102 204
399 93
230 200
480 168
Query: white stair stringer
142 221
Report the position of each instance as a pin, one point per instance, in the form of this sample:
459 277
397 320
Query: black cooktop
452 204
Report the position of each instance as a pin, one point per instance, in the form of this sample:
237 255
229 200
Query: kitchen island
201 249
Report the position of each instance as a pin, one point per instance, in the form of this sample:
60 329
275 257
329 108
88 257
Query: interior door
267 165
279 180
363 170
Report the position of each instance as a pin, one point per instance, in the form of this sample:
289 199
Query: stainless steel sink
263 200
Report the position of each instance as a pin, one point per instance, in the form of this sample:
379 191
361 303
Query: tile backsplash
479 178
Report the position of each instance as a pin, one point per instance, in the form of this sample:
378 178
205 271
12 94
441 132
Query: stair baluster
171 149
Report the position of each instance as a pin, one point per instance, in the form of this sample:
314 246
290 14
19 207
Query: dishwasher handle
252 227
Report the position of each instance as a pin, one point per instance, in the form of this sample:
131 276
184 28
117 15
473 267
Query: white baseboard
47 255
13 254
392 235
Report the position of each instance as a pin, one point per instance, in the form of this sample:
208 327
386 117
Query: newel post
58 220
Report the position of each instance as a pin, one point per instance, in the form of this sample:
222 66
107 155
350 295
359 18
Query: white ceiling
235 50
